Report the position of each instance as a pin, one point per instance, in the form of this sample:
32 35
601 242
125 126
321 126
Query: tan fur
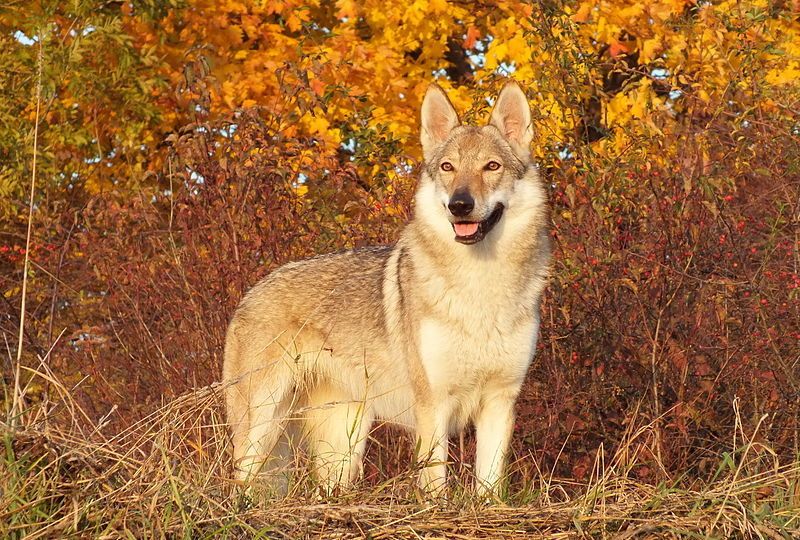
429 334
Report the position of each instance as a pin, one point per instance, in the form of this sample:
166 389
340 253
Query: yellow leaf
650 48
438 6
518 49
582 15
347 9
318 124
784 76
617 109
497 54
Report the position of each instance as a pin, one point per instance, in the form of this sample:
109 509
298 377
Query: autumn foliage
187 148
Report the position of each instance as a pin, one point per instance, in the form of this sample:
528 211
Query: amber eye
492 166
446 166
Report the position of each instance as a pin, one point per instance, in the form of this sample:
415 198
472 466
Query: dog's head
473 170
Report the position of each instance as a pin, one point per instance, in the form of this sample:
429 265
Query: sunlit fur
429 334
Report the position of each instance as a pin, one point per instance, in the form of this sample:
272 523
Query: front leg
494 426
432 444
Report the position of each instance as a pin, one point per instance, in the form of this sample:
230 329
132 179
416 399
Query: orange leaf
473 34
318 86
618 48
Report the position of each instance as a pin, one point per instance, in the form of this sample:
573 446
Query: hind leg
279 468
260 442
337 428
255 442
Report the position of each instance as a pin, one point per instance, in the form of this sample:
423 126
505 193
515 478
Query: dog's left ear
512 116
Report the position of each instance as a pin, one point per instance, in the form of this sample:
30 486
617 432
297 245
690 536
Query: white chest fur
479 335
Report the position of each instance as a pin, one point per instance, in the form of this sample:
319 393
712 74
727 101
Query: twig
18 402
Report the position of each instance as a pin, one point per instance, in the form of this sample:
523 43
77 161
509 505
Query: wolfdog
432 333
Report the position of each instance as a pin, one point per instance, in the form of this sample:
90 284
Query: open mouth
472 232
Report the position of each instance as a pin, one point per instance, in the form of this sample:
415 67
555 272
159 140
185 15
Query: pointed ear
512 116
438 119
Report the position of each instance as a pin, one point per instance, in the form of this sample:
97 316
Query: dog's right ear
439 117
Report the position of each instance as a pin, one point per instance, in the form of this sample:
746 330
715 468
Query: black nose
461 203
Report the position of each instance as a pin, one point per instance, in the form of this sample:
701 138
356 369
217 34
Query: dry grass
168 476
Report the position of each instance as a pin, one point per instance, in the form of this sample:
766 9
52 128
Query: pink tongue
465 229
